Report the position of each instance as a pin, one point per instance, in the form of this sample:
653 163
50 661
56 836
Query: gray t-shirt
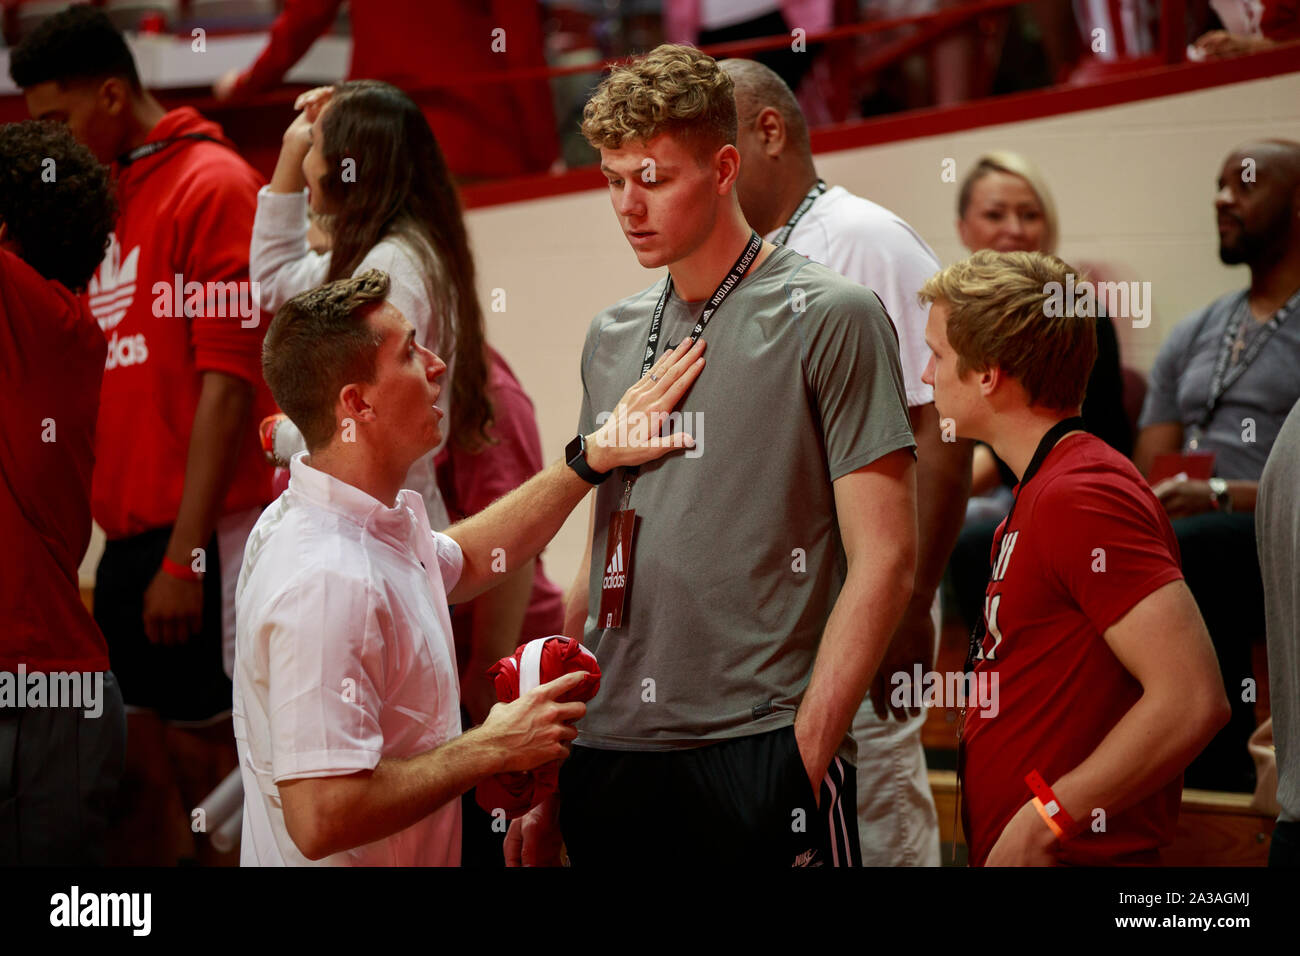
1180 385
1277 530
737 559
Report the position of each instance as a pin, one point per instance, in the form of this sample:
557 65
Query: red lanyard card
618 568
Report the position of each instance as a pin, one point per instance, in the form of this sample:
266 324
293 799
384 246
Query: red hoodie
185 222
51 361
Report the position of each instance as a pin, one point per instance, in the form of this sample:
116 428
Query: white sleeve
325 678
406 289
279 259
888 257
451 560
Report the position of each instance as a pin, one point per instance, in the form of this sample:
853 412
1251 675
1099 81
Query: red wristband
180 572
1049 808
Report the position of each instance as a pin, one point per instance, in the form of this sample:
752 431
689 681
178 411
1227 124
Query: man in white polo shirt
783 198
346 702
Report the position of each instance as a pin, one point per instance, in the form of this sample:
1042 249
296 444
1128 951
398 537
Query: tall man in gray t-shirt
1223 382
766 574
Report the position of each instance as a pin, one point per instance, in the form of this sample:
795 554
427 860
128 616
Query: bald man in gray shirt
1223 382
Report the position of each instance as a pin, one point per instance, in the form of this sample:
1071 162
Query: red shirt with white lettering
1087 542
174 299
51 361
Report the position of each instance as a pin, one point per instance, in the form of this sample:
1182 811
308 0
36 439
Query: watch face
573 450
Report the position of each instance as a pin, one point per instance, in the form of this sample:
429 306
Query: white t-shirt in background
865 242
344 657
872 246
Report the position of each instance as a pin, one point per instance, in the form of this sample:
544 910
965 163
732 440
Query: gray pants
59 772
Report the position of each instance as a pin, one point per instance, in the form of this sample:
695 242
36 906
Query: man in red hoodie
61 723
179 477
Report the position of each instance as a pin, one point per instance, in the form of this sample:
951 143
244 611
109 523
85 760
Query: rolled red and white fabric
538 662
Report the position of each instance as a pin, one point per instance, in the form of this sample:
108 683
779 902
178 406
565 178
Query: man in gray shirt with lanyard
738 601
1223 382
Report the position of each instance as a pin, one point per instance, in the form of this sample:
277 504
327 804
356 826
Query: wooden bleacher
1214 829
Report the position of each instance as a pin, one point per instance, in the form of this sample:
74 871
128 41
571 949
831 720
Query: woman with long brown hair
361 157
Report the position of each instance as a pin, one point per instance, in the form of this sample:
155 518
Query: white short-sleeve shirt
344 656
872 246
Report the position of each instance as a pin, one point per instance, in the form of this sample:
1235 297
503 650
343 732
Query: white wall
1133 184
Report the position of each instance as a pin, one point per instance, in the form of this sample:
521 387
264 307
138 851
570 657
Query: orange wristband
1049 808
1051 824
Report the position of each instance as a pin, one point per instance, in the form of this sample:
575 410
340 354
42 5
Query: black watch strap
575 456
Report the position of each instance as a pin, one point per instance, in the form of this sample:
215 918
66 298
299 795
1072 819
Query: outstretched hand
631 435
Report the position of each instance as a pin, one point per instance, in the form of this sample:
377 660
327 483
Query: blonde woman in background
1005 205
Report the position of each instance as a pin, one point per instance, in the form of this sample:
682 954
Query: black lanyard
1223 377
148 149
719 295
803 207
724 289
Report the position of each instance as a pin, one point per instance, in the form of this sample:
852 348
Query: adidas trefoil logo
113 287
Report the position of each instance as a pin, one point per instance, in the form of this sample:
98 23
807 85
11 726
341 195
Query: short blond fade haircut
998 316
672 89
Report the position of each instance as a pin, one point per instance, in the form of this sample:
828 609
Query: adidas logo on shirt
615 574
129 350
111 291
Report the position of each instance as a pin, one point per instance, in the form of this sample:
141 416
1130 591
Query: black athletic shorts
742 802
59 774
181 682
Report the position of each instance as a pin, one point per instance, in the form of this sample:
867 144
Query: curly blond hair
672 89
998 316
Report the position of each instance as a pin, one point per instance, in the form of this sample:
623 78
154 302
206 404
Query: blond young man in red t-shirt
1105 680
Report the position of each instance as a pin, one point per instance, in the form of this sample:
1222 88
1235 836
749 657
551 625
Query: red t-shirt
186 217
471 482
51 361
1087 542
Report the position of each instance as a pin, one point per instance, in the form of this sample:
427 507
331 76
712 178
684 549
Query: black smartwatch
575 456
